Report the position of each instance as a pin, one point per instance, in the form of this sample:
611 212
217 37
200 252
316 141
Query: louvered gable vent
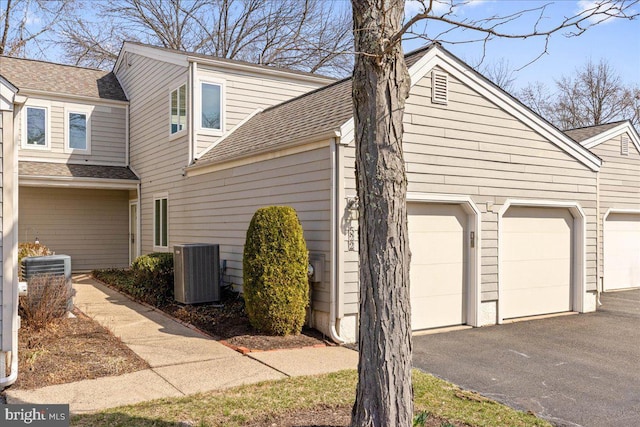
624 145
440 87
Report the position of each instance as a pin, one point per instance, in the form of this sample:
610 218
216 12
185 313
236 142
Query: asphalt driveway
576 370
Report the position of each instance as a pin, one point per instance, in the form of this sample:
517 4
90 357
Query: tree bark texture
380 87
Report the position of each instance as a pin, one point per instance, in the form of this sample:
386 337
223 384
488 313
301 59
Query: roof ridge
53 63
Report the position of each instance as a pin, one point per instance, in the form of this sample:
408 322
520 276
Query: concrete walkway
183 361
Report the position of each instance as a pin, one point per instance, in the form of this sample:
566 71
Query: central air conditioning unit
50 265
196 273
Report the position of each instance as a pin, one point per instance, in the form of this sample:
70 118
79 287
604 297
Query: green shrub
153 278
30 249
275 265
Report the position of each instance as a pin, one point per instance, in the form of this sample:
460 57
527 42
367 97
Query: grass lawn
257 404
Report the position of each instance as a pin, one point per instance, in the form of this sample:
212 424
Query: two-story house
506 213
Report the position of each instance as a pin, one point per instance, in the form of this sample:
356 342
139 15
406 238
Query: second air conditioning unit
196 273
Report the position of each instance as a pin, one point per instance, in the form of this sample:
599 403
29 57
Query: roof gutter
94 100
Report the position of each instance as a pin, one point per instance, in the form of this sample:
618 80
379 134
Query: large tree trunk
380 87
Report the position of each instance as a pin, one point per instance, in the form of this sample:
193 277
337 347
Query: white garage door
536 258
621 251
438 264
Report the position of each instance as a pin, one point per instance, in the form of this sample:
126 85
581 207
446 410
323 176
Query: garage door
621 251
536 258
438 264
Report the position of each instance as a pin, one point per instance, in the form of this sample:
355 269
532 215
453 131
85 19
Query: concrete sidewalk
183 361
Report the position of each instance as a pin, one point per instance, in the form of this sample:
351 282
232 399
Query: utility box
196 273
49 265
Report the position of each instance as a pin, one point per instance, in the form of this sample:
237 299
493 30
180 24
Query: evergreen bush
153 277
275 265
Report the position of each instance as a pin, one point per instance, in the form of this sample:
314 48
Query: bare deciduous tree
380 87
500 73
299 34
594 95
25 23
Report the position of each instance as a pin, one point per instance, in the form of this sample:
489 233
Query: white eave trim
159 54
612 133
238 66
75 182
437 57
71 97
7 94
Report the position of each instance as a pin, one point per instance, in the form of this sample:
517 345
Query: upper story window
36 134
78 131
211 106
179 109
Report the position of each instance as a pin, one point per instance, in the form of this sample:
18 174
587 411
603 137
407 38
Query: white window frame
183 131
47 124
204 130
72 109
160 248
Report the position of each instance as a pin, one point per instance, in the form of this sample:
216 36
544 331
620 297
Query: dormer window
179 109
211 107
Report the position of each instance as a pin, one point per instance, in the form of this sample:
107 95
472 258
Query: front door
133 231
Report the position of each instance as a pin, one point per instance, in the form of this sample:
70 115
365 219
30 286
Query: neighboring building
71 135
618 145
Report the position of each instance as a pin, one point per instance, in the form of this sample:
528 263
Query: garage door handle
472 239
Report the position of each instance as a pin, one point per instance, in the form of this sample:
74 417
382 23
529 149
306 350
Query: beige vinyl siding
108 133
157 159
245 92
619 181
217 207
89 225
472 147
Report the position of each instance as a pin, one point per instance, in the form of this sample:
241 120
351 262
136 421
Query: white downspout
335 238
599 241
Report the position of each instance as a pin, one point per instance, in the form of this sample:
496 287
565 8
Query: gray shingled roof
582 134
28 74
318 112
63 170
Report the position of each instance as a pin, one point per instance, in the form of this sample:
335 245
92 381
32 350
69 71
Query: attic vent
624 146
440 89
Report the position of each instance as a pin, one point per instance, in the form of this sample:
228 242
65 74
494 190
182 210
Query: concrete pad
217 374
308 361
171 350
98 394
155 337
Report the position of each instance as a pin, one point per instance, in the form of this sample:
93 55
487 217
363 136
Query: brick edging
245 350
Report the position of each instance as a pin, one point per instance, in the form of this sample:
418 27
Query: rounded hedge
275 265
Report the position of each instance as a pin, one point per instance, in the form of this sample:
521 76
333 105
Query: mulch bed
71 349
227 321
